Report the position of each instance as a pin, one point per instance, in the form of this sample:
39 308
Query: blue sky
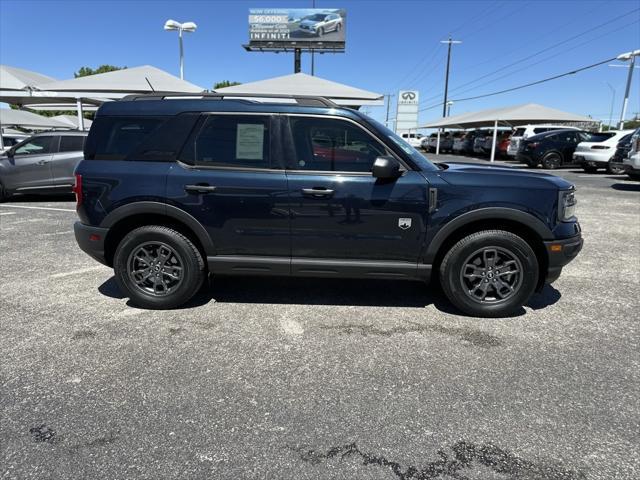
391 45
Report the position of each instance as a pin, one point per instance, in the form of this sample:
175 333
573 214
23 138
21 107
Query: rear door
29 167
230 178
341 216
64 161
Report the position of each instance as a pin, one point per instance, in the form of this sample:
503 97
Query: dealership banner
297 27
407 112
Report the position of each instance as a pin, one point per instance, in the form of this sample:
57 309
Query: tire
501 299
4 195
338 27
551 161
320 32
589 169
614 169
166 249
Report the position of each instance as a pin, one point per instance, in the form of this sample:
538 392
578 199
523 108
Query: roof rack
301 100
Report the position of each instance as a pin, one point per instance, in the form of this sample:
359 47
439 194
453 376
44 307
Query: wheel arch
525 225
128 217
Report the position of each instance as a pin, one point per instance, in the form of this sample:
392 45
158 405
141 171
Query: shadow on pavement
626 187
312 291
548 296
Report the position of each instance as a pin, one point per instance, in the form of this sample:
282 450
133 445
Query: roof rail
302 100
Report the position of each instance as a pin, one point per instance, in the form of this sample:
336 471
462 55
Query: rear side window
236 141
113 138
71 144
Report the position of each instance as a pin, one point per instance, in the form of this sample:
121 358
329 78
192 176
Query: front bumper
91 240
560 253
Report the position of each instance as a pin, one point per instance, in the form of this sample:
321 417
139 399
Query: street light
613 100
631 57
180 27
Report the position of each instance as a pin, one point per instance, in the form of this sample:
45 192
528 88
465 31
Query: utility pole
613 101
446 86
632 57
446 78
313 56
389 97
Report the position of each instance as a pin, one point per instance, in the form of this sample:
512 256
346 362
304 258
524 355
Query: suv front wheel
158 267
489 274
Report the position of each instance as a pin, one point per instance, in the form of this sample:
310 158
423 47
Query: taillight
533 145
77 189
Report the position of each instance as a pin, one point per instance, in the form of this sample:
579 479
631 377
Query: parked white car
528 131
632 162
414 139
596 152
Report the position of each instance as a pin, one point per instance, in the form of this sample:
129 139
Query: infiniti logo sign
408 95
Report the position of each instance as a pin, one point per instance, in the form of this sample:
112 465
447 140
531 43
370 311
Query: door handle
43 162
317 192
199 188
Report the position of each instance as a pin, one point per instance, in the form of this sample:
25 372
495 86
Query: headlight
566 205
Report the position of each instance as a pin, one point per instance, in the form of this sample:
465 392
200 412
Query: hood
478 175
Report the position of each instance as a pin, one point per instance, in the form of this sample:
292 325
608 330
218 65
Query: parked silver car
321 23
43 163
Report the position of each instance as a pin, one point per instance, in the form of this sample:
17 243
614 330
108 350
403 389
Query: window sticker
250 141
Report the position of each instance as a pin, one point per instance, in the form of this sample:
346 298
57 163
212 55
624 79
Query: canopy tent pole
1 139
80 114
493 144
438 143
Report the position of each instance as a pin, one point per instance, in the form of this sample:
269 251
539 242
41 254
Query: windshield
600 137
415 155
317 17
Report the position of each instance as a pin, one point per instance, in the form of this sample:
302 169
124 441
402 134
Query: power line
551 47
530 84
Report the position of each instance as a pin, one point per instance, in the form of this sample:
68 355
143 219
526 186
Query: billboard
305 28
407 112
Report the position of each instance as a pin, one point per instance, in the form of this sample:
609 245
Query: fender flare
489 213
158 208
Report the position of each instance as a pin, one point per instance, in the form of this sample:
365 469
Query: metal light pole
446 86
449 103
180 27
627 56
613 100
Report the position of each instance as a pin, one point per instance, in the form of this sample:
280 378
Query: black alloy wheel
551 161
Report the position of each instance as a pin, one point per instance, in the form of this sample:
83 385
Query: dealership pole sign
407 112
290 29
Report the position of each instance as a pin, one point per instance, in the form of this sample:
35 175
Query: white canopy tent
22 118
92 90
303 84
72 121
528 113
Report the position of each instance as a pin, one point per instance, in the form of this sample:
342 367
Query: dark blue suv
174 189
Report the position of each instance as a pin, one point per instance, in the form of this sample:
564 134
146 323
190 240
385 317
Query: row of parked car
551 146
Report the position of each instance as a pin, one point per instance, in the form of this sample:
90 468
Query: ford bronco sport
174 189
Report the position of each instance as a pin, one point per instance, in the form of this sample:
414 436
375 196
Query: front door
66 159
340 214
30 164
231 180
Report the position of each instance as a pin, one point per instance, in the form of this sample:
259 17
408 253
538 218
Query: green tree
86 71
225 83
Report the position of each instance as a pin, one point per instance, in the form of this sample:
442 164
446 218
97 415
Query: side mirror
386 168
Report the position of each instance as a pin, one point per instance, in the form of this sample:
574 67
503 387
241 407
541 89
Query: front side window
39 145
327 144
240 141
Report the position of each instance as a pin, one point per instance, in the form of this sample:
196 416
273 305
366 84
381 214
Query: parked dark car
468 142
173 190
622 151
551 149
43 163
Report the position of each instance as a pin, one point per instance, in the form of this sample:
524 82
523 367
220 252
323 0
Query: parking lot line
78 272
7 213
39 208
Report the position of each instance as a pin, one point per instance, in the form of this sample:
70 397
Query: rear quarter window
71 143
114 138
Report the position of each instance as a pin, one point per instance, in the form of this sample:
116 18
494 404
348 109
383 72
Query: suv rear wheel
489 274
551 161
158 267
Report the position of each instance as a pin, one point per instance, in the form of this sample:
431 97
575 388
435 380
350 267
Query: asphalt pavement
318 379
